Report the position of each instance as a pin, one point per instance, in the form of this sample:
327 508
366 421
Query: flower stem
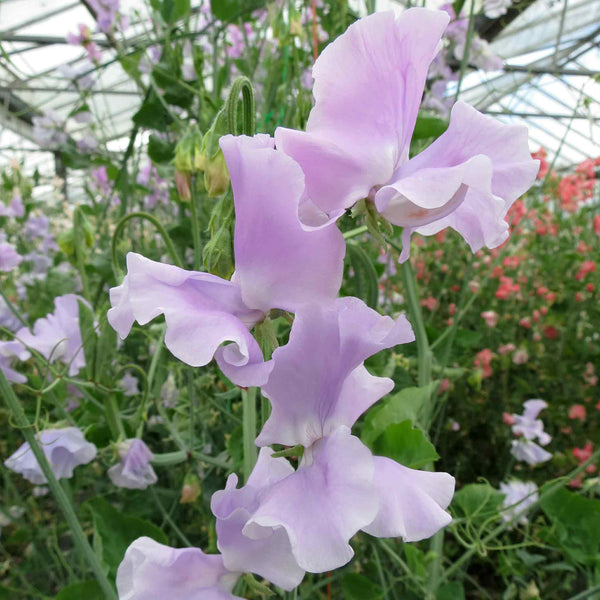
249 430
195 225
58 492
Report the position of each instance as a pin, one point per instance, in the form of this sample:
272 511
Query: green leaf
429 127
406 445
358 587
477 502
451 591
90 590
416 559
152 115
174 10
160 151
88 337
115 531
228 10
457 6
365 276
577 523
403 406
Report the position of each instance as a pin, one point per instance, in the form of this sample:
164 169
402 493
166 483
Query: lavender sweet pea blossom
151 570
357 138
280 263
9 352
134 470
518 496
57 336
65 449
9 257
529 452
528 425
318 388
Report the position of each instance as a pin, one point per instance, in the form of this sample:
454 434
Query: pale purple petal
533 408
57 336
318 382
270 554
280 262
9 352
9 257
201 311
151 570
518 497
323 504
134 470
467 179
529 452
412 502
368 87
65 449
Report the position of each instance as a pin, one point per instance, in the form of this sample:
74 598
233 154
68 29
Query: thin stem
58 492
249 429
354 232
12 308
195 225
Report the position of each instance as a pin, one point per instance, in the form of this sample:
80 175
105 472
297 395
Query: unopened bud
216 175
182 181
218 253
191 490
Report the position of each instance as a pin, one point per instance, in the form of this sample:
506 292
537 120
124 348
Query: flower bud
184 151
218 253
191 490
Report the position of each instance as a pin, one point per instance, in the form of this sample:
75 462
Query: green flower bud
191 490
216 176
218 253
184 152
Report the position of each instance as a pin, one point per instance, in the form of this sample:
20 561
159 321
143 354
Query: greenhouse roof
550 51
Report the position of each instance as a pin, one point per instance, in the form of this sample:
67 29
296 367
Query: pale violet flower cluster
57 336
528 428
518 497
288 193
65 449
134 470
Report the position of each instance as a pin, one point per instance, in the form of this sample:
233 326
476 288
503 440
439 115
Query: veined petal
323 504
467 179
201 311
270 555
318 381
368 87
411 502
280 262
151 570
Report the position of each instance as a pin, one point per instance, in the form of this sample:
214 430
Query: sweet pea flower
57 336
357 138
129 384
134 470
151 570
490 317
518 497
9 257
528 425
318 388
65 449
9 352
529 452
280 263
578 411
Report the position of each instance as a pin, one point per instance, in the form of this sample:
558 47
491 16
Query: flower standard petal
151 570
368 87
411 502
280 262
323 504
318 382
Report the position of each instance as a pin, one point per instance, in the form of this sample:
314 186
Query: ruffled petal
412 502
57 336
533 408
318 382
151 570
368 88
467 179
201 311
270 555
323 504
9 352
280 262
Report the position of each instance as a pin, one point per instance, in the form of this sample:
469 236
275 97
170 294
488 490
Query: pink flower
520 357
483 361
429 303
490 317
578 411
506 348
525 322
583 454
508 419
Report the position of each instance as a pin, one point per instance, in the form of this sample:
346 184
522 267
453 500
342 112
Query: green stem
12 308
113 416
195 225
249 429
78 243
163 232
354 232
61 498
241 84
